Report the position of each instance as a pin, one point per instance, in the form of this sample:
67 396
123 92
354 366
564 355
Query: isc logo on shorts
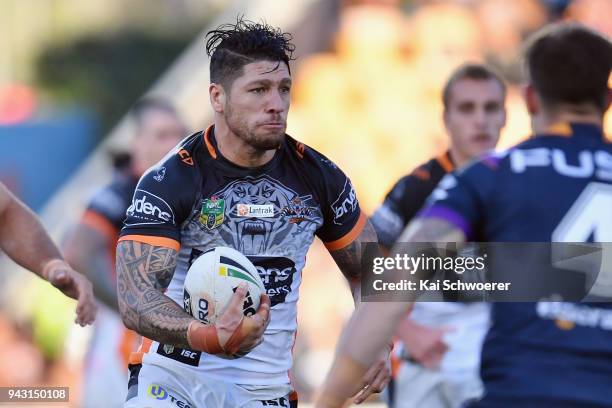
181 355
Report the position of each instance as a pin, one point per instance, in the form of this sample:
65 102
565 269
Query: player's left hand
74 285
376 378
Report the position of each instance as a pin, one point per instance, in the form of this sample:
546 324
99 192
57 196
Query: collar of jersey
211 144
567 129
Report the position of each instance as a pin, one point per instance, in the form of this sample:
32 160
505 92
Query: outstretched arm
25 241
373 324
349 259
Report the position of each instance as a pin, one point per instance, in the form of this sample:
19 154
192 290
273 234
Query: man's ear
532 101
217 97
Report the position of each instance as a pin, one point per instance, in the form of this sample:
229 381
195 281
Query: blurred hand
425 344
376 378
74 285
239 334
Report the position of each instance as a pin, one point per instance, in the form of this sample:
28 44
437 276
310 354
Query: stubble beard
240 128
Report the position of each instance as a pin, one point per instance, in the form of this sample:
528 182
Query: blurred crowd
372 103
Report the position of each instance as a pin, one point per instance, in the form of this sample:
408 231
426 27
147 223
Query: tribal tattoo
143 273
349 258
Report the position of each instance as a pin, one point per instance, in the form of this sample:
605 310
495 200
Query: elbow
127 316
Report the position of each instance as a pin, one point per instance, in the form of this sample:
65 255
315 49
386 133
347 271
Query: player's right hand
232 333
74 285
240 334
425 344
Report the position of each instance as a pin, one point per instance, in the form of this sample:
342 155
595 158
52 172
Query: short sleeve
105 212
343 220
401 204
163 199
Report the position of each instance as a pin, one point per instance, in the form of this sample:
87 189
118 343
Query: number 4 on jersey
589 218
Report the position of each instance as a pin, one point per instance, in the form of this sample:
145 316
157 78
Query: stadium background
367 86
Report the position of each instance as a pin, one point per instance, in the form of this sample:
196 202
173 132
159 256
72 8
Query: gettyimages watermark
492 272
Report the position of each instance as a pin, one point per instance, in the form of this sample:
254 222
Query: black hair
232 46
569 63
476 72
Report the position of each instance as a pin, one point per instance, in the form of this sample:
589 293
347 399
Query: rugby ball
213 278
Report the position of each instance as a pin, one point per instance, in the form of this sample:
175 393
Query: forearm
87 251
98 269
143 272
23 238
158 318
354 358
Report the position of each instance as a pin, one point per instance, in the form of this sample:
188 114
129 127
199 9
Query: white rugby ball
213 278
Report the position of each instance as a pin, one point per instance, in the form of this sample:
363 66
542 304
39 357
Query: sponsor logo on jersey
157 392
345 204
278 402
586 164
567 316
297 210
276 273
255 210
160 174
185 356
185 157
147 208
213 212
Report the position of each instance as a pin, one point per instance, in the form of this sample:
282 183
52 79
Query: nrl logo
168 349
213 212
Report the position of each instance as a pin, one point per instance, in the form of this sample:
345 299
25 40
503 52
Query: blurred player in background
556 187
25 241
91 248
217 184
439 347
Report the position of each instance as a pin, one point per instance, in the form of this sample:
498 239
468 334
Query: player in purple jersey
556 187
438 351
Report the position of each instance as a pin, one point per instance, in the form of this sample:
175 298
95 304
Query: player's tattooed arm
143 272
349 258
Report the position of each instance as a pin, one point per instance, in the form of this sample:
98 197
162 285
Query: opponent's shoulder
416 185
428 174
